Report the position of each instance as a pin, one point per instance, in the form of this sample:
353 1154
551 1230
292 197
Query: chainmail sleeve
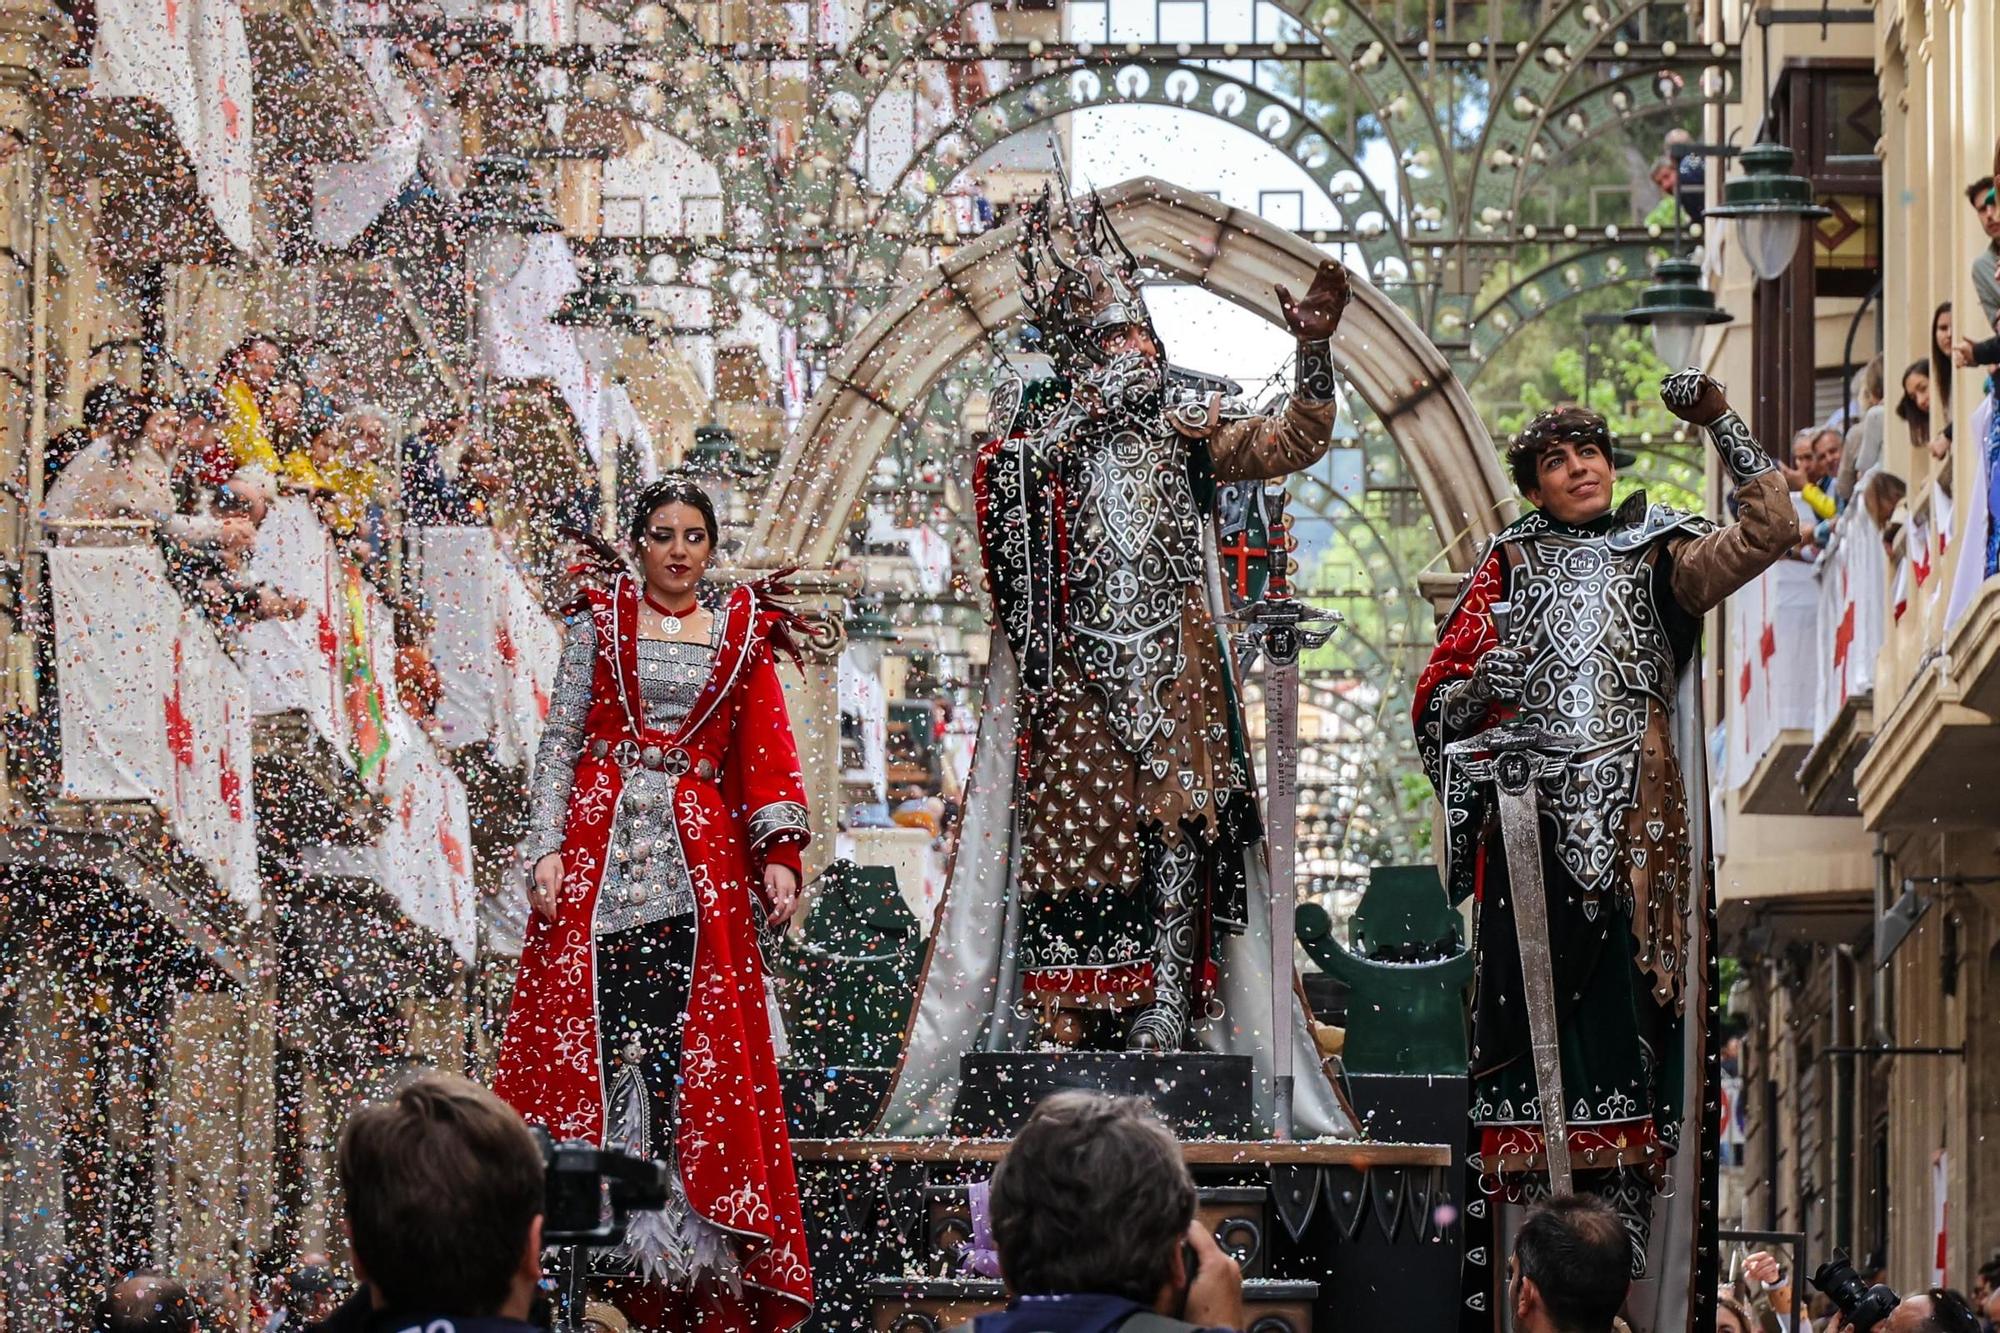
562 740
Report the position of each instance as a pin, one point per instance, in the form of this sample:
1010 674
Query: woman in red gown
666 821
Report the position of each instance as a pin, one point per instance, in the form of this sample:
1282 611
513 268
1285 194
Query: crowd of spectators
199 473
1847 458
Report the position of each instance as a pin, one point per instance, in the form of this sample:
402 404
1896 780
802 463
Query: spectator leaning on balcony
246 376
1914 407
128 474
100 401
1862 449
1986 268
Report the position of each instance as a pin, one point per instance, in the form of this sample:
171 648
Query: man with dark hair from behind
1939 1310
443 1184
1093 1215
1571 1268
146 1302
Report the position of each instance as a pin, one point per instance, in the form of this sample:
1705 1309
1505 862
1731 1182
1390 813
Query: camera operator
1939 1310
443 1185
1093 1216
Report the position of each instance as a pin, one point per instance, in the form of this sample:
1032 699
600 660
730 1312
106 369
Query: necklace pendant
671 624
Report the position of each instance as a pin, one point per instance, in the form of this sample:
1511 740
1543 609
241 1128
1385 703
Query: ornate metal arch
1179 87
1554 283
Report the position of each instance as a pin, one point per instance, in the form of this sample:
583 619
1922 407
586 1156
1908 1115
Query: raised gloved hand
1314 317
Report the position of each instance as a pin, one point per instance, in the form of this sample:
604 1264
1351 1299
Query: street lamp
1770 207
717 462
501 207
1677 308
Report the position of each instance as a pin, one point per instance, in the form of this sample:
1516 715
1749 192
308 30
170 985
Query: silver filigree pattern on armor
646 878
1316 374
779 817
1740 451
1135 542
1463 704
1175 866
1598 659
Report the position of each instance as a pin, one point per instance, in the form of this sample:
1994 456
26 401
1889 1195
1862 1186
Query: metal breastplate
1598 660
1134 547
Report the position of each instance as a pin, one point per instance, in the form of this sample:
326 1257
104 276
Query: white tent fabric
192 59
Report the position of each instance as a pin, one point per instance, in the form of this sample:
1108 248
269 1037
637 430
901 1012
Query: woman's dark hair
671 491
1940 361
1729 1305
1578 425
1092 1197
1916 417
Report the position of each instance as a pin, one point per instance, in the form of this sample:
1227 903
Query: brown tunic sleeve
1709 568
1296 436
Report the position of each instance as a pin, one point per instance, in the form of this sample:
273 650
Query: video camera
590 1193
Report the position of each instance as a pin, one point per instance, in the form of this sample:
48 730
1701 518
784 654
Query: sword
1515 756
1281 627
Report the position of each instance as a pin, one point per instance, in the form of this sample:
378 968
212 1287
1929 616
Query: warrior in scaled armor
1135 795
1604 607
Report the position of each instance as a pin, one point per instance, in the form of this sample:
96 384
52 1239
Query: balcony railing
1854 615
1771 663
495 648
153 711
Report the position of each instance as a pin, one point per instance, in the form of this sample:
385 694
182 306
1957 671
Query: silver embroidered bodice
646 879
1599 660
1135 546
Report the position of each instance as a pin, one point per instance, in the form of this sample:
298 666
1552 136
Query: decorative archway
888 369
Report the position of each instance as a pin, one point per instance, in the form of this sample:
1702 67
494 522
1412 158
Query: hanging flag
365 709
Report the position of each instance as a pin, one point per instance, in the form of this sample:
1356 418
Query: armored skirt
668 779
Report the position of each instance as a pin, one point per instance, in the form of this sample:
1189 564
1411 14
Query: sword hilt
1278 545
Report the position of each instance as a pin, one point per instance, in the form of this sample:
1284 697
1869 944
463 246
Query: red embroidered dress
728 770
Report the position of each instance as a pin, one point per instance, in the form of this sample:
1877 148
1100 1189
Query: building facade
1855 825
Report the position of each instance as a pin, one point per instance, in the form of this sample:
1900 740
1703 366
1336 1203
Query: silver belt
669 759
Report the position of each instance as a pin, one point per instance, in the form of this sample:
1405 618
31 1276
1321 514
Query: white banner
423 857
192 59
294 665
1853 604
1772 658
153 710
495 648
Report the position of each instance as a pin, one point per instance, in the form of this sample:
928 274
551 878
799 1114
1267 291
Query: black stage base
1198 1095
834 1103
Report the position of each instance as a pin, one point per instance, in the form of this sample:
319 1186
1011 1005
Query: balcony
1771 661
349 782
1853 578
1931 765
496 652
148 785
311 710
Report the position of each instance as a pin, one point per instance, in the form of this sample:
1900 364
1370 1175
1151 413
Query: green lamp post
1677 308
1770 207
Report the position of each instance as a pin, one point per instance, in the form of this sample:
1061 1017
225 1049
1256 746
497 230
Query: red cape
735 1151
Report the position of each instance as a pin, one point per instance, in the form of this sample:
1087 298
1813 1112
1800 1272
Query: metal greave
1173 870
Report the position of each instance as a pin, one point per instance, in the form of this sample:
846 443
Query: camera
589 1193
1861 1306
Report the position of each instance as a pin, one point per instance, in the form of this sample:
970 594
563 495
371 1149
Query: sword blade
1281 804
1520 833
